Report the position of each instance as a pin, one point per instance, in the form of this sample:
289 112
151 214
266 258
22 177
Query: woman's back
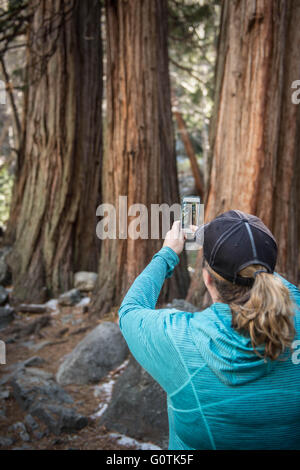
230 378
236 394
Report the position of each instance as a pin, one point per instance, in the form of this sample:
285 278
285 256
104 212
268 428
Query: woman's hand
175 238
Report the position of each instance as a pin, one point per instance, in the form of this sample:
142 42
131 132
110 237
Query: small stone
38 346
85 281
59 419
6 441
7 315
4 394
34 361
72 297
31 422
17 427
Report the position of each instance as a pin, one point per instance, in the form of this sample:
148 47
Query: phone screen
190 213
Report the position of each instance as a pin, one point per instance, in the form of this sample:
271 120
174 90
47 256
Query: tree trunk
198 176
139 160
255 128
57 186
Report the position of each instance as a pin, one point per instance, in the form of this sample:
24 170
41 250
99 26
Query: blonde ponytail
265 310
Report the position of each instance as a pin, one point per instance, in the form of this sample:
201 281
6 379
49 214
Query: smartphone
190 215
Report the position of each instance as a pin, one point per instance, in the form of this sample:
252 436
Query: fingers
176 229
194 228
175 233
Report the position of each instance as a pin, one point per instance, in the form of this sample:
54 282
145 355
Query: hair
264 311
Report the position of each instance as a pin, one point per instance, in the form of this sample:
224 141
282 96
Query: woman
228 371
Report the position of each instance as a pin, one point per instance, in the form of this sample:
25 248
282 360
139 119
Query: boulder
6 441
37 393
7 314
59 418
103 349
31 386
138 407
85 281
69 298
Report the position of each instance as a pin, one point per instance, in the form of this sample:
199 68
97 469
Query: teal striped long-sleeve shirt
220 394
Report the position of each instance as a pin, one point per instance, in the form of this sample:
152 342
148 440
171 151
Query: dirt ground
67 328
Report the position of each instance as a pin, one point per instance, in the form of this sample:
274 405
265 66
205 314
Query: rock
32 308
4 394
67 318
7 315
6 441
2 411
34 361
37 386
36 392
20 428
31 422
30 362
33 327
39 373
85 301
38 346
181 304
138 407
38 434
69 298
52 306
3 295
85 281
10 340
5 273
103 349
59 419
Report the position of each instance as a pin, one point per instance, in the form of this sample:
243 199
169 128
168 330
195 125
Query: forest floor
64 332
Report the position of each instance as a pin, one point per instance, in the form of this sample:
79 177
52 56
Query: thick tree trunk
139 160
198 176
57 187
255 129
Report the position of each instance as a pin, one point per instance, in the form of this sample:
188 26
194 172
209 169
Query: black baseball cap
234 240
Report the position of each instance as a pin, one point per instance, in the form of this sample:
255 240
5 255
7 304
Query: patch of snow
104 390
121 367
83 302
130 442
52 306
102 408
